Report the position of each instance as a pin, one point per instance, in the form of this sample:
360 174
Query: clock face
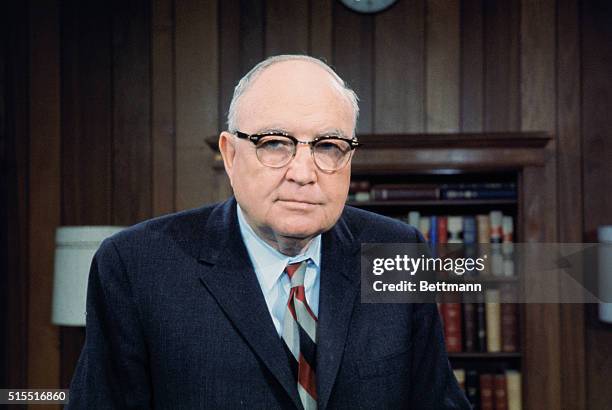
368 6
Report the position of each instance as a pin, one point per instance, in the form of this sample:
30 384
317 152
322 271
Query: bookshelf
524 158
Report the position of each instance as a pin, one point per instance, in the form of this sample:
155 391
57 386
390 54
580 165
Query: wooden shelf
434 202
485 355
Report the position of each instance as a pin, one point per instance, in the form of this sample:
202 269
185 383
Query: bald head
299 73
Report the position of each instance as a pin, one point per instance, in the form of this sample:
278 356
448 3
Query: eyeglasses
277 149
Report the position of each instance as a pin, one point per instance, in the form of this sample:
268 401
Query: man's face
298 200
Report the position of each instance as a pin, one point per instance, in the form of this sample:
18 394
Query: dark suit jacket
176 320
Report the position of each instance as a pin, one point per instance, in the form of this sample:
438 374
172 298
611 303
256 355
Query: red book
509 333
442 231
500 394
451 313
486 392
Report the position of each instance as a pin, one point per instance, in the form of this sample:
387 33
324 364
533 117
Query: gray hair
246 81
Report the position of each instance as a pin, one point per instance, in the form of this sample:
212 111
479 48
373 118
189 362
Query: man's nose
302 168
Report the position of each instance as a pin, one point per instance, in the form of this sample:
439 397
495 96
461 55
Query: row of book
487 326
362 191
491 391
492 228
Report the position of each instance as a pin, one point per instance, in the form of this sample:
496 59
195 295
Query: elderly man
254 302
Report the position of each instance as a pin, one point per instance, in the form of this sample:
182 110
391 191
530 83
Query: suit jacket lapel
230 278
338 293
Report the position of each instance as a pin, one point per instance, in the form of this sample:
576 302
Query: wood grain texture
442 66
320 33
287 24
15 355
569 187
86 135
472 66
596 51
44 191
132 180
399 69
86 113
502 68
197 101
353 59
162 102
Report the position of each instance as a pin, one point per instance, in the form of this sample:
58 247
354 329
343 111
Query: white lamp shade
75 247
604 235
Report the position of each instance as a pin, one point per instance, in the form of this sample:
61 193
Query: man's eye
275 144
332 146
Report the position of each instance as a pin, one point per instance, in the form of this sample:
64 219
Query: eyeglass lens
277 151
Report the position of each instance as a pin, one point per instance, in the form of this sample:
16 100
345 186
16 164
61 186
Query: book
500 398
424 227
493 319
509 320
413 218
481 325
454 225
433 231
495 224
469 230
481 193
472 387
442 229
486 392
460 376
513 388
470 331
482 223
451 313
507 245
397 192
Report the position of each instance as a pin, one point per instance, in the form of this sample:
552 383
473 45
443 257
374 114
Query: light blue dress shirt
269 265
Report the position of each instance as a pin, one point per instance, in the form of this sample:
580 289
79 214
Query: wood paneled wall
122 94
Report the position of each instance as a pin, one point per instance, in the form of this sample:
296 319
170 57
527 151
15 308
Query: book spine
483 225
486 392
390 194
472 388
452 327
481 327
469 230
493 319
514 391
442 229
424 227
509 331
433 230
499 392
460 376
470 327
477 194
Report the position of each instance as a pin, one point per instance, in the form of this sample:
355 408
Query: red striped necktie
300 336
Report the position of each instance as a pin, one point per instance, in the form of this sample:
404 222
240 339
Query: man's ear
228 152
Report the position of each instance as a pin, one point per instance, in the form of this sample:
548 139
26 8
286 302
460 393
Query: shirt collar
269 263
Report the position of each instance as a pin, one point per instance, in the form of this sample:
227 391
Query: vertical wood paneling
17 208
197 80
353 59
472 65
132 181
86 134
320 30
162 101
229 55
501 93
442 66
400 68
44 191
538 113
569 187
86 114
287 27
596 47
252 33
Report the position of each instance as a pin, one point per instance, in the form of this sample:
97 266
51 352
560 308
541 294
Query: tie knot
296 272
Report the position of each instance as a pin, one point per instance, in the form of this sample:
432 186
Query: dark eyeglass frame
255 138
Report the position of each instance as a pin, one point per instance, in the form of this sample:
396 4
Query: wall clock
367 6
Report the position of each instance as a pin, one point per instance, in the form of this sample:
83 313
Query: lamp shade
75 247
604 235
